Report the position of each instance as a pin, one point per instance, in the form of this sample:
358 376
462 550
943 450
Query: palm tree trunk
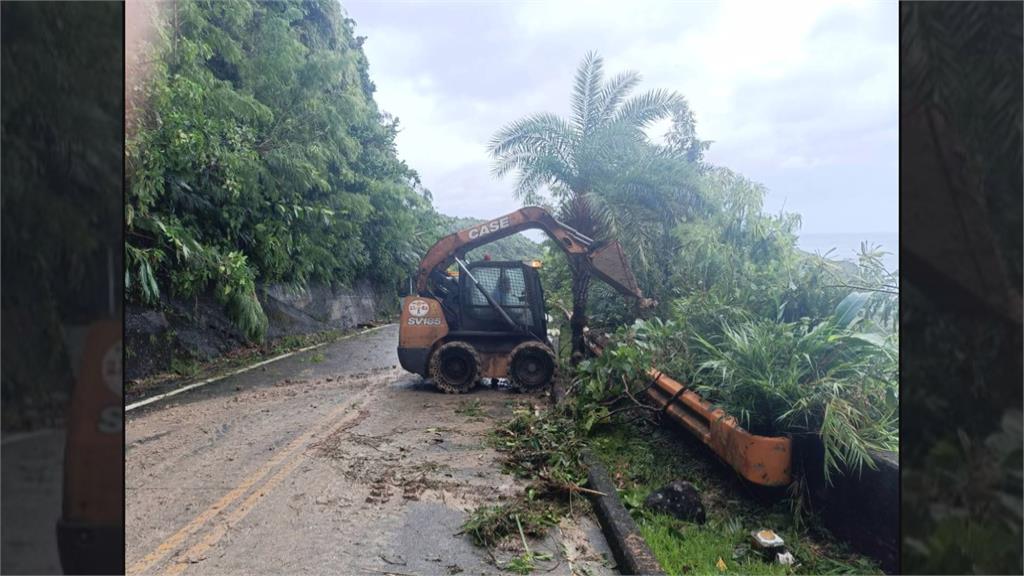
580 285
582 220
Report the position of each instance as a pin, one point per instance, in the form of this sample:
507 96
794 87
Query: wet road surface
331 461
33 465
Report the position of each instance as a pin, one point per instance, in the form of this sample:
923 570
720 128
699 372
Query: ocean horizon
846 245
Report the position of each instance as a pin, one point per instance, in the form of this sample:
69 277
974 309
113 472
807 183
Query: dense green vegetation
835 377
962 482
61 201
261 156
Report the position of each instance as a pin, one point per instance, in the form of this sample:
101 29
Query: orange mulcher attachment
764 460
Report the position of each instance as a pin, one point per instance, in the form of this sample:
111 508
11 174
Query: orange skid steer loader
489 322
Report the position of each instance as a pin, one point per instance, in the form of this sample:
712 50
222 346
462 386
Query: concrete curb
631 551
632 554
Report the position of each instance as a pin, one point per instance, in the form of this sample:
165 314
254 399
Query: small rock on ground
679 499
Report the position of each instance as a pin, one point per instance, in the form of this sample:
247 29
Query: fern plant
829 379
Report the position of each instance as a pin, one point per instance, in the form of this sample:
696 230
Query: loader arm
606 260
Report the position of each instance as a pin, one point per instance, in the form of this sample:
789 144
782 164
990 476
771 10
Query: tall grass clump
830 379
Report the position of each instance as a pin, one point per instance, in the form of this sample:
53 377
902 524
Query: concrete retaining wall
318 308
198 329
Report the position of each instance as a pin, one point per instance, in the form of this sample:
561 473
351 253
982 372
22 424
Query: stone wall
198 329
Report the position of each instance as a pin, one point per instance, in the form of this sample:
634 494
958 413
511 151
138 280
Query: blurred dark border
960 250
62 245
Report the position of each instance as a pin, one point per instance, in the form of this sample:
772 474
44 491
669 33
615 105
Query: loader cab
514 285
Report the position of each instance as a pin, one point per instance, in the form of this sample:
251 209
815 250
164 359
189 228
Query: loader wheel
532 366
455 368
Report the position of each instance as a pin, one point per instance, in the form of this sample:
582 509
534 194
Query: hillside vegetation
261 156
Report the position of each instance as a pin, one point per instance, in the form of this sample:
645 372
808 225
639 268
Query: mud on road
332 461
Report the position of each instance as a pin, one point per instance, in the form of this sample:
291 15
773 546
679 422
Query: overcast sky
801 97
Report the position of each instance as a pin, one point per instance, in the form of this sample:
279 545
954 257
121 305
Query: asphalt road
331 461
33 464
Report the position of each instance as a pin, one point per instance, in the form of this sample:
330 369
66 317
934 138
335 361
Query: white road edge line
19 436
158 397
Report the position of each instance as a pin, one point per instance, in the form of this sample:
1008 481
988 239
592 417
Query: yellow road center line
197 523
214 535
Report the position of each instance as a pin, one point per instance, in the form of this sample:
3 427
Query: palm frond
646 108
586 91
522 162
541 171
543 131
535 146
614 92
510 162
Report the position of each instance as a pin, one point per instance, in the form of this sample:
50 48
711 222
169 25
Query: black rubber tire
455 368
531 366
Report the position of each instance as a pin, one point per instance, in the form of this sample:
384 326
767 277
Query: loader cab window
506 284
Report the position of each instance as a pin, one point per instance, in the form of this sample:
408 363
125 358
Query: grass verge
543 446
643 458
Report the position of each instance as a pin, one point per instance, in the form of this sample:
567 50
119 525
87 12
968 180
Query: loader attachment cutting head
608 262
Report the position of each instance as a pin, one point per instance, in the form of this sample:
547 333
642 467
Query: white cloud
799 161
544 19
785 89
432 140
